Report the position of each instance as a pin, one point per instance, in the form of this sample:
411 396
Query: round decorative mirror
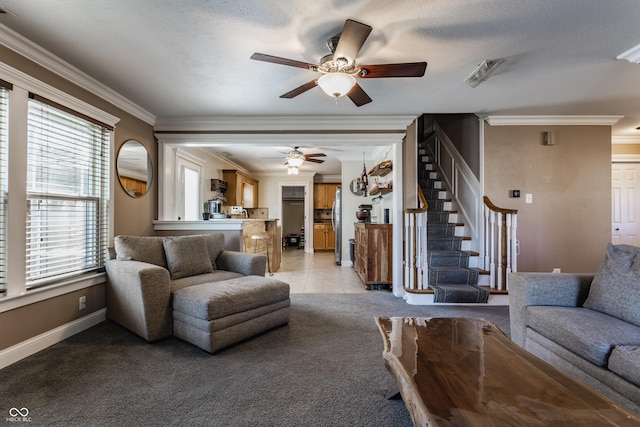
355 187
134 167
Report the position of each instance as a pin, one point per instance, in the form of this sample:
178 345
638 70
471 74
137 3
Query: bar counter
237 233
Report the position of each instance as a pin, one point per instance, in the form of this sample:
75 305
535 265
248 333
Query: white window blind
67 193
4 142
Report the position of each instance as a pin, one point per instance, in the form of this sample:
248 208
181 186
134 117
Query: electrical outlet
82 303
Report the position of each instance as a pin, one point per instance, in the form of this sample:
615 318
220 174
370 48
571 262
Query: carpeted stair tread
453 293
442 243
448 258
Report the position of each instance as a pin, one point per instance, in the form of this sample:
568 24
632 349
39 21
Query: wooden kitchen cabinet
372 253
242 190
324 237
324 195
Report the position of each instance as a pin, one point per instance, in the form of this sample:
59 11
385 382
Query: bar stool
264 237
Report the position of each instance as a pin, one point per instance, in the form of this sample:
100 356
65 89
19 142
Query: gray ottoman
215 315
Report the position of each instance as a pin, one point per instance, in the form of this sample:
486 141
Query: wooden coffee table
466 372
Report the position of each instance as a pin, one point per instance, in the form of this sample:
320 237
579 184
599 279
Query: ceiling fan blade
358 96
408 69
315 160
316 155
282 61
300 89
351 40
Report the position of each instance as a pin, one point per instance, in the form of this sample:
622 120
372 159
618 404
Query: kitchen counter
212 224
237 233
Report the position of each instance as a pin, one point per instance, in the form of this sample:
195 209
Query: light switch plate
528 198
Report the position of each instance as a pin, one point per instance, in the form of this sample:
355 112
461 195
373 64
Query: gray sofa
146 272
587 325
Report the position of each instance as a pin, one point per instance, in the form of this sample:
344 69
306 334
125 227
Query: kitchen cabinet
324 195
372 253
324 237
242 190
134 187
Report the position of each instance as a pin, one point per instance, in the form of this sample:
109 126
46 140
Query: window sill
11 302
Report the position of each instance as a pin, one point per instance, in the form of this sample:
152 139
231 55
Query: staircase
451 277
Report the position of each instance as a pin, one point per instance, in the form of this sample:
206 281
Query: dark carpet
322 369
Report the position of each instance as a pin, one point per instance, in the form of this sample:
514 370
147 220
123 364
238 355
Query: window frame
17 295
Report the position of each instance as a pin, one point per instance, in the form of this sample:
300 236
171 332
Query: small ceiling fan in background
296 158
339 70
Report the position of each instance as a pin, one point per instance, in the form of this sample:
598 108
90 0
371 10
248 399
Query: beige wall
131 216
568 225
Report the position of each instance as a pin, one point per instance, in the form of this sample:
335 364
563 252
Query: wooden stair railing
501 243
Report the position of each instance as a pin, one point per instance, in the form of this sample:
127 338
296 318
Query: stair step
444 243
448 259
446 229
438 217
449 275
459 293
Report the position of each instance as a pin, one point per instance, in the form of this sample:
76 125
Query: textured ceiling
191 58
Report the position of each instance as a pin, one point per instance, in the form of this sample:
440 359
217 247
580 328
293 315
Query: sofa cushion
186 256
215 246
147 249
215 300
615 289
625 361
590 334
216 276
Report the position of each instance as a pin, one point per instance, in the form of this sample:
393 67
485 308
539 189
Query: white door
625 196
189 208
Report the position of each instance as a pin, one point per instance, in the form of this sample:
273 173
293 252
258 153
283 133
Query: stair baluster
500 243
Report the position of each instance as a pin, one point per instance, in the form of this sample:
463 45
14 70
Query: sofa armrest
244 263
139 298
559 289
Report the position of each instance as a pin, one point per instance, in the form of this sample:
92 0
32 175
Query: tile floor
317 273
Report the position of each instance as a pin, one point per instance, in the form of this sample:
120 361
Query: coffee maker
218 187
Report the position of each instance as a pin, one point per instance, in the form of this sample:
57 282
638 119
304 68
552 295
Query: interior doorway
625 199
293 217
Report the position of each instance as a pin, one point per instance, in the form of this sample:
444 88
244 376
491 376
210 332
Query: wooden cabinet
372 252
324 237
134 187
324 195
242 190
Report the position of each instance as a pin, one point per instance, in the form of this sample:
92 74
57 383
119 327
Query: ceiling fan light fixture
292 170
483 71
295 161
336 84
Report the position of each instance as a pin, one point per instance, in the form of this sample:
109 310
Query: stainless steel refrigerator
336 224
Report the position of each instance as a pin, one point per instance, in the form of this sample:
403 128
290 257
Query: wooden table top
466 372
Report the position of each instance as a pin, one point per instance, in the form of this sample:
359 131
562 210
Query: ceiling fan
339 70
296 157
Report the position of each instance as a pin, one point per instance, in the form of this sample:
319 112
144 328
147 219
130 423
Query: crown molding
56 65
294 138
361 124
625 139
625 158
552 120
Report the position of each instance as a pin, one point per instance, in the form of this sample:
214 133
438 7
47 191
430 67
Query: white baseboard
40 342
427 299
